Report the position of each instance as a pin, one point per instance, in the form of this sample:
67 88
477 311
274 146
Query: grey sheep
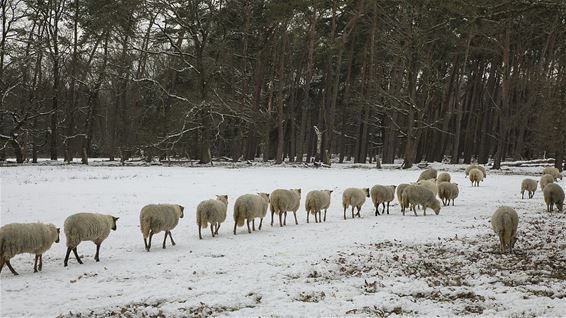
553 172
400 189
33 238
354 197
429 184
428 174
504 222
443 177
481 168
281 201
476 176
212 211
155 218
553 195
530 186
315 202
82 227
380 195
448 191
415 194
545 179
248 207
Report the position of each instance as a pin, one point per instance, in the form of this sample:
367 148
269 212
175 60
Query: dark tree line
460 80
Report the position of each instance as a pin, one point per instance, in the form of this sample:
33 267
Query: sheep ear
330 191
182 208
226 197
58 230
115 218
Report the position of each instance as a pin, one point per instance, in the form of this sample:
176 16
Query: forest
297 81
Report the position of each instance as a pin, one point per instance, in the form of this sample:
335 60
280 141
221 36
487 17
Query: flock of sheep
37 238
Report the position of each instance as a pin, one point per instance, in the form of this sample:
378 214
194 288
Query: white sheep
415 194
443 177
315 202
283 200
429 184
481 168
504 222
448 191
553 171
428 174
248 207
476 176
82 227
400 189
553 195
380 195
354 197
155 218
545 179
530 186
33 238
212 211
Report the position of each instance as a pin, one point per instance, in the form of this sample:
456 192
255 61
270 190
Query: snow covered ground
377 265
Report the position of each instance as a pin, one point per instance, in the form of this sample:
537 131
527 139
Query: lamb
248 207
212 211
428 174
282 200
18 238
544 180
380 195
315 202
443 177
476 176
155 218
447 191
429 184
481 168
554 172
504 222
400 189
415 194
87 227
530 186
553 195
354 197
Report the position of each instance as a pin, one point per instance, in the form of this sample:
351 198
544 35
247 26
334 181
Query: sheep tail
202 221
507 224
145 227
238 218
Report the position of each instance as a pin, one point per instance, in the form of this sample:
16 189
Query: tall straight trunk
459 108
345 103
54 35
411 135
252 130
280 100
502 141
70 110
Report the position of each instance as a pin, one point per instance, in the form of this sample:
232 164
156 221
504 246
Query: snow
376 265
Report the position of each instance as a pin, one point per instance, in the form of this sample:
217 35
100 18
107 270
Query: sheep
553 195
476 176
87 227
281 201
554 172
212 211
400 189
18 238
429 184
481 168
415 194
545 179
381 194
248 207
355 197
429 173
443 177
155 218
447 191
504 223
315 202
530 186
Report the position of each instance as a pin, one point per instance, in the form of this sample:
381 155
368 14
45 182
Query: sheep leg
324 215
235 224
164 239
260 222
308 212
522 194
249 230
387 207
199 235
285 218
211 229
149 243
40 262
383 210
11 268
217 228
414 209
353 216
253 224
171 237
77 255
96 258
295 213
377 209
272 212
67 256
1 264
452 202
35 264
315 217
359 209
344 213
280 216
